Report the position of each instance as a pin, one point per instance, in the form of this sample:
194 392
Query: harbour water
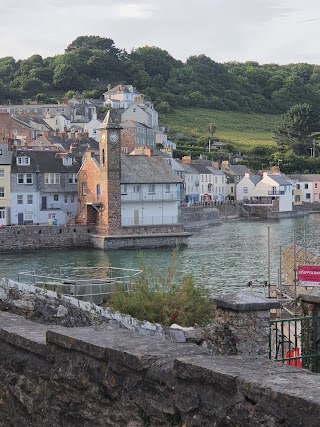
226 257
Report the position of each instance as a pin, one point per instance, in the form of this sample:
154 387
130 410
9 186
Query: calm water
227 256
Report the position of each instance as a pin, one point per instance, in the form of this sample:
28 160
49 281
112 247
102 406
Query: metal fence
296 342
92 284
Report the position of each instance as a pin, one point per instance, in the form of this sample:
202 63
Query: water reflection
228 255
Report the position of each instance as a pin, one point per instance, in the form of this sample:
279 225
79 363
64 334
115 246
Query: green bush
156 298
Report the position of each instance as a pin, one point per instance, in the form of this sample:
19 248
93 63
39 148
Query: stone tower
110 171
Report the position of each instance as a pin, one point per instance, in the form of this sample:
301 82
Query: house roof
237 169
201 168
6 156
279 179
147 170
254 178
215 171
45 161
306 177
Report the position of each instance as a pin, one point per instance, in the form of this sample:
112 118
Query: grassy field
243 130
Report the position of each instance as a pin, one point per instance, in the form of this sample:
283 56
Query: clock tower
110 171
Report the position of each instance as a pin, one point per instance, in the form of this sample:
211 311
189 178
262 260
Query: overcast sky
280 31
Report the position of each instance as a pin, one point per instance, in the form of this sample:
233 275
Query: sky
266 31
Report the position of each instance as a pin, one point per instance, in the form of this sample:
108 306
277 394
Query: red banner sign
309 273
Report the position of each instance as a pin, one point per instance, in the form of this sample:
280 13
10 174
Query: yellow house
5 172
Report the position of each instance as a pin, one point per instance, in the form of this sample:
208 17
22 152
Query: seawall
105 376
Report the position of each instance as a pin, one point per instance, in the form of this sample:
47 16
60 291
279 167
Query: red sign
294 359
309 273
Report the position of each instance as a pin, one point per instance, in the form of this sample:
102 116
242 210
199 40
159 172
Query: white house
211 183
246 185
142 113
273 191
122 96
150 191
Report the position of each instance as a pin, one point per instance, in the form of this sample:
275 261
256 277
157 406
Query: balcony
276 193
151 197
149 220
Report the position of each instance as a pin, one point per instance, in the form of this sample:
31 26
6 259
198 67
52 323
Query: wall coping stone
313 296
139 236
245 301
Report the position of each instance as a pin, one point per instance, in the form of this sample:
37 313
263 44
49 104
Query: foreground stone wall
44 237
197 217
91 376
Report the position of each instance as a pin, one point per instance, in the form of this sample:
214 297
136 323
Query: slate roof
215 171
279 179
238 169
6 156
306 177
254 178
46 161
147 170
201 168
188 168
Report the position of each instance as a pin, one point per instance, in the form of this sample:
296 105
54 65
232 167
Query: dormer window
23 160
67 161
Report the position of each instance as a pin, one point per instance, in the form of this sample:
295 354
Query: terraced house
5 169
43 187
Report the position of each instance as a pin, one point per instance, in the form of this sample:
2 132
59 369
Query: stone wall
101 376
44 237
197 217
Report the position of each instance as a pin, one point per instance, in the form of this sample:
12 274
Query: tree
298 127
93 42
65 77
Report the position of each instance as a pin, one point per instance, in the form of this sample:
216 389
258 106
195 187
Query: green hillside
241 130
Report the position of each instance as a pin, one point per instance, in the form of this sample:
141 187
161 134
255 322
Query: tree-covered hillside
91 62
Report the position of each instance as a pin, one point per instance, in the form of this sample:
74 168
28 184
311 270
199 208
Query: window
29 199
20 178
56 197
315 184
52 216
65 199
29 178
308 196
167 188
25 178
84 189
245 190
28 216
123 189
23 160
72 178
72 198
231 189
298 187
136 188
67 161
306 186
19 199
52 178
2 173
1 192
297 198
2 213
152 189
215 180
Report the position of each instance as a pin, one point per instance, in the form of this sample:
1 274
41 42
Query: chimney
72 134
109 86
46 133
186 160
215 165
86 133
275 170
10 144
65 129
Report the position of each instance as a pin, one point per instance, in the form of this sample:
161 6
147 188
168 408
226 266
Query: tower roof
112 120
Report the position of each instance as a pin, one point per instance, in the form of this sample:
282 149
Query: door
136 217
20 218
44 202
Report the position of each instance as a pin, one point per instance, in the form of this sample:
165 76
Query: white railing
149 220
150 197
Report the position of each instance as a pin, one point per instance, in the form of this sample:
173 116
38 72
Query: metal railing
149 220
295 342
91 284
150 197
276 193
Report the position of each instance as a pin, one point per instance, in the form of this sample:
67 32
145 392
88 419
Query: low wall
198 217
44 236
89 376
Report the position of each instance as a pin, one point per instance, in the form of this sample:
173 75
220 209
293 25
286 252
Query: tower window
103 157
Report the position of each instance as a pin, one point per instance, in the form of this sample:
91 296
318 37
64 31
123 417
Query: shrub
157 298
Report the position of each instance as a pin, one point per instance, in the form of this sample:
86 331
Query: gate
296 342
